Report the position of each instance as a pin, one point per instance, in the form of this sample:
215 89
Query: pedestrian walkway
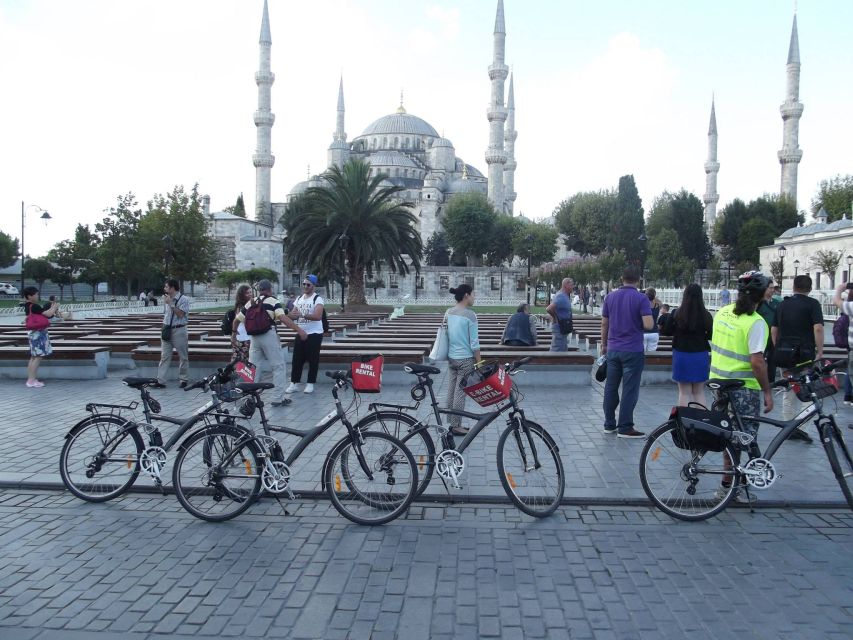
600 469
140 568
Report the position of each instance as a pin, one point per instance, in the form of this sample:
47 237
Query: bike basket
822 388
367 373
704 430
245 371
487 384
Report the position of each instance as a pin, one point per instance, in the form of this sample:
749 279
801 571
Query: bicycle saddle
251 387
724 385
138 383
411 367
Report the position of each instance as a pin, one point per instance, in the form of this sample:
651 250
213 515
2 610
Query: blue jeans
624 367
559 342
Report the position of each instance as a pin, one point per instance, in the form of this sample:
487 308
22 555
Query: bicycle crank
152 461
275 477
760 473
449 465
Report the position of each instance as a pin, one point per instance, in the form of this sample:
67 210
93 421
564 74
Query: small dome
400 123
465 186
390 159
442 142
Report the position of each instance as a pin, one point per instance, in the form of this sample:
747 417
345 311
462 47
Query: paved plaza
604 566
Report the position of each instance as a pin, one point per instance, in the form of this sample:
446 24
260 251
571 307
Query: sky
105 97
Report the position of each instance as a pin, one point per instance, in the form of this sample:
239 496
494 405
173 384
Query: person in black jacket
691 351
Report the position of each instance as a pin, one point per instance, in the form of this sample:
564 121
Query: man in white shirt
308 313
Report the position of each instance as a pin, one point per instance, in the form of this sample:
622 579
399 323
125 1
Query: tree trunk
72 291
355 288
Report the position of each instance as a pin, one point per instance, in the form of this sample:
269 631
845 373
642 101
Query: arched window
373 143
406 142
384 142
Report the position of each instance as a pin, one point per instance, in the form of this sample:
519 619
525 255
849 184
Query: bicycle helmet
752 281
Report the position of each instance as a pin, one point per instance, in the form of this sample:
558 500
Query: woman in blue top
463 352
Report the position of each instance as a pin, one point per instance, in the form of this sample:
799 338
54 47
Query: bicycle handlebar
340 376
198 384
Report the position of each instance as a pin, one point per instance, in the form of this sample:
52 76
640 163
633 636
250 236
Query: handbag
566 326
441 345
36 322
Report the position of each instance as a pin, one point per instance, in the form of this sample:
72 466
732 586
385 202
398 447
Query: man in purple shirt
624 316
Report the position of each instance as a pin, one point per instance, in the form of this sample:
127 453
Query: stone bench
66 363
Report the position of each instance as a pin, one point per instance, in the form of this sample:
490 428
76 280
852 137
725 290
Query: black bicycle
370 478
690 465
529 464
104 453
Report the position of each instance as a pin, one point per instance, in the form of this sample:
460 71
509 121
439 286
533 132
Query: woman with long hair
464 350
240 340
691 349
38 338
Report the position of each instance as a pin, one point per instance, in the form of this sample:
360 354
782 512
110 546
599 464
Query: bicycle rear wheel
839 459
683 483
100 458
217 473
535 483
373 482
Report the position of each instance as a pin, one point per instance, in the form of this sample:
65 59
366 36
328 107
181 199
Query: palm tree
352 224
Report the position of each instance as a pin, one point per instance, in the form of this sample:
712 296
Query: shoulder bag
441 346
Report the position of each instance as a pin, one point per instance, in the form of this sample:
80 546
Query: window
520 284
406 142
496 283
295 280
419 282
393 282
384 142
469 280
396 142
444 282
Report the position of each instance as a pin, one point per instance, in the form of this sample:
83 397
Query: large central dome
400 123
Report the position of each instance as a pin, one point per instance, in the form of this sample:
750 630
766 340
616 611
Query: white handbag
441 346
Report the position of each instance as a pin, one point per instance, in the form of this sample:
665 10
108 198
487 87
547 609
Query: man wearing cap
308 313
265 350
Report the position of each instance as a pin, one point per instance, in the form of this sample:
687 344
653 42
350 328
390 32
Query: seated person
665 321
520 329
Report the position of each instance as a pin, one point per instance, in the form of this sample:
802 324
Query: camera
850 286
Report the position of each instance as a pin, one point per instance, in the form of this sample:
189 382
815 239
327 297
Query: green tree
777 212
85 249
121 251
727 228
585 221
775 270
543 243
40 270
9 250
437 252
229 279
827 261
665 263
682 213
468 223
238 209
836 196
354 222
375 283
255 274
501 244
62 256
628 223
755 232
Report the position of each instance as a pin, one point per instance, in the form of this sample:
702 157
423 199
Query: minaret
495 155
791 154
263 158
510 135
711 197
338 153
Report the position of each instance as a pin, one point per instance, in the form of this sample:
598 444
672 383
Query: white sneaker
291 388
309 388
35 384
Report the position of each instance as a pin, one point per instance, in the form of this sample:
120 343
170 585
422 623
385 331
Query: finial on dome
401 108
309 172
464 171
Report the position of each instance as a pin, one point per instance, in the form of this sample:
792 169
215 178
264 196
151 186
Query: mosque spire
340 134
263 159
401 108
339 150
712 167
497 114
791 110
510 136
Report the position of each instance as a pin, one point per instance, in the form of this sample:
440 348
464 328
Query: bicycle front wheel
100 458
684 483
417 440
839 459
530 468
372 482
217 473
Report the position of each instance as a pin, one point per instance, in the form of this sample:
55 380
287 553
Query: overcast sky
102 97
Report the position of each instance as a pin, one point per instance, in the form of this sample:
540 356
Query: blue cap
312 279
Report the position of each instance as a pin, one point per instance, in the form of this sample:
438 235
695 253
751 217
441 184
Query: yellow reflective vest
730 357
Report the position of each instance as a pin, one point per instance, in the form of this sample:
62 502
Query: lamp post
343 240
796 267
642 240
44 216
529 240
167 252
782 252
849 265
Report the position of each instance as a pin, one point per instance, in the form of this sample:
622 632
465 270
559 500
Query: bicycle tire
404 427
670 476
366 501
101 478
203 487
517 477
842 466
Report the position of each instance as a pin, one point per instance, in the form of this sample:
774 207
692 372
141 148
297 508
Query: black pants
306 351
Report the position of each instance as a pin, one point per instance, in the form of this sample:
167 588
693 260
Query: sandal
459 431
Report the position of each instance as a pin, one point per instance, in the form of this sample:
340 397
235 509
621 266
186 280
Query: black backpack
325 317
227 322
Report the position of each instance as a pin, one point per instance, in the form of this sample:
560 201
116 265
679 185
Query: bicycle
104 453
370 478
528 459
691 469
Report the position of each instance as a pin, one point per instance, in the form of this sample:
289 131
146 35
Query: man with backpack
310 315
259 316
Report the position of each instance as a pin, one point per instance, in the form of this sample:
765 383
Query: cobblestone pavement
598 467
142 568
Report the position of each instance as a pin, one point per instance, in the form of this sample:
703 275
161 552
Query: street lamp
796 267
782 252
343 240
642 240
849 265
529 240
167 252
44 216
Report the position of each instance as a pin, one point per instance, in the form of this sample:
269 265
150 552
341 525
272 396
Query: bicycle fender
85 422
328 461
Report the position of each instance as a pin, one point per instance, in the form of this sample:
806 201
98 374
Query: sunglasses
307 284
